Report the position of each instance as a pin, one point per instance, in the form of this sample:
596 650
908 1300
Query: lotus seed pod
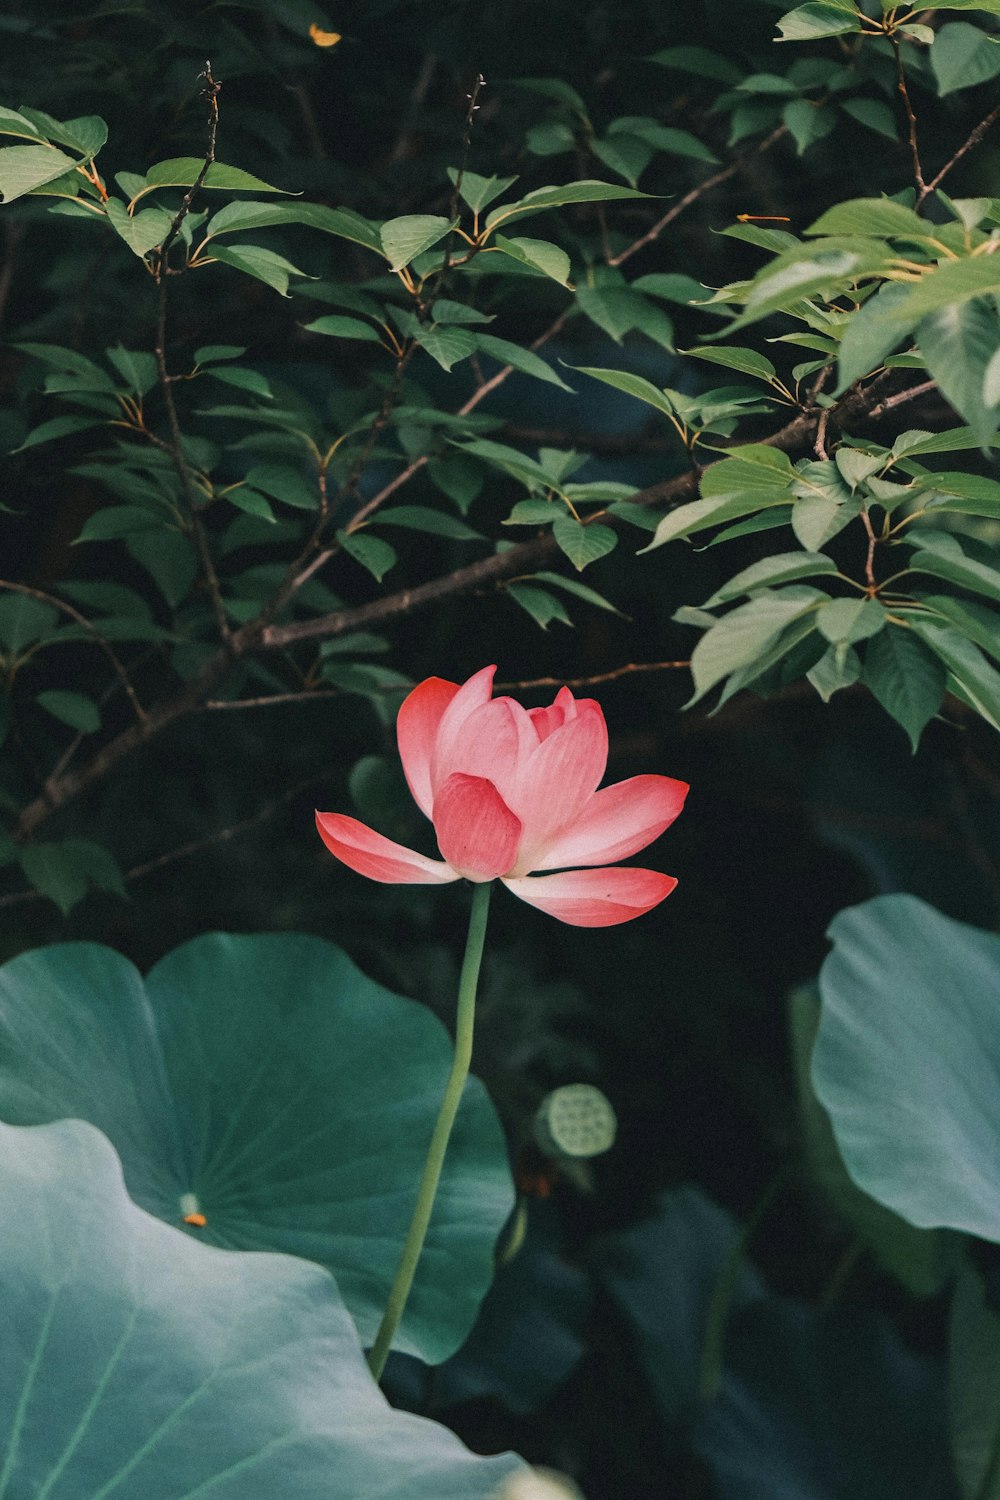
539 1484
575 1121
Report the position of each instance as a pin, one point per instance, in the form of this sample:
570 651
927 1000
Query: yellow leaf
324 38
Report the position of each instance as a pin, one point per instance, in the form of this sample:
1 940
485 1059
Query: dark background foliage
797 808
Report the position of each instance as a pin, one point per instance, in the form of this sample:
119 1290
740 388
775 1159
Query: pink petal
618 821
378 858
494 741
419 719
545 720
477 832
594 898
558 780
470 696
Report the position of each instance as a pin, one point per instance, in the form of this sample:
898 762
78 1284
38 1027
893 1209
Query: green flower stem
464 1025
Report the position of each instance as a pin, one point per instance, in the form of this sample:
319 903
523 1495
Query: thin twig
595 679
911 119
223 835
210 93
307 565
309 695
176 445
972 139
74 614
702 188
194 846
912 393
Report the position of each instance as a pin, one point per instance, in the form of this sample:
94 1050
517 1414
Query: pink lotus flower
511 791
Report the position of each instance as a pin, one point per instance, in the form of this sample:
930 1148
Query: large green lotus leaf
266 1084
907 1061
140 1365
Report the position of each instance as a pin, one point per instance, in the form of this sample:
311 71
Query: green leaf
632 385
820 18
290 1094
141 231
264 265
583 544
24 620
74 709
542 606
339 327
697 515
209 353
478 192
975 621
458 477
905 677
879 217
447 311
874 114
448 345
973 1384
810 272
344 223
955 281
747 361
85 134
587 190
816 519
424 518
870 336
906 1061
140 1361
768 520
169 558
955 440
55 427
837 668
579 591
524 360
136 367
615 309
942 556
855 465
741 637
672 286
699 60
383 687
966 664
370 551
957 344
12 123
405 238
624 154
500 456
921 1259
292 486
663 137
533 513
752 468
250 502
962 56
539 254
244 380
808 122
846 621
25 168
183 171
549 138
116 521
783 567
55 872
